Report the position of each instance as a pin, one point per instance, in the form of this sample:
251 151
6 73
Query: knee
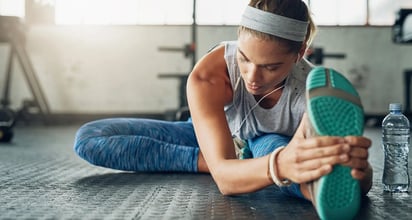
84 138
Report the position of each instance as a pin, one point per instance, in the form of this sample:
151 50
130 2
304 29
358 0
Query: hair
295 9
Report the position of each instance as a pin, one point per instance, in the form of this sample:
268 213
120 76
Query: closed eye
241 56
271 67
242 59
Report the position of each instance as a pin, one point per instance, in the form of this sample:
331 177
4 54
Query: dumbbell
317 55
7 121
187 49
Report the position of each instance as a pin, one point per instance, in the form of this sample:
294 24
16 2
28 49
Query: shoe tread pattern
339 194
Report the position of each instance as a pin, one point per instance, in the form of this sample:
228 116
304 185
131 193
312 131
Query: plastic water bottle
396 141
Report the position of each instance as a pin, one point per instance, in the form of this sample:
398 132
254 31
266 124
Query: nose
253 74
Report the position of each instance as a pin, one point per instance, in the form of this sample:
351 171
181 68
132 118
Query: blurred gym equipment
12 31
402 28
7 121
402 34
188 50
317 55
407 74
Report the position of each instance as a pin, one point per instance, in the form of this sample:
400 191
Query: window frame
227 19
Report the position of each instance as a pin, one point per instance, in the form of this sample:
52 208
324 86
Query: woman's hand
307 159
358 156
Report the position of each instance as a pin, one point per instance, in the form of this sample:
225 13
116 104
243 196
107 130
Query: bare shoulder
212 64
210 76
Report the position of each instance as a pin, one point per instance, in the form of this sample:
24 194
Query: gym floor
42 178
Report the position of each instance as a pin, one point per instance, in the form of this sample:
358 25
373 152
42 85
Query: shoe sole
334 109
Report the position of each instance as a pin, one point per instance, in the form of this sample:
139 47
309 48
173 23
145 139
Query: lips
253 87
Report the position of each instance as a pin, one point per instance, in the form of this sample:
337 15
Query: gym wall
114 69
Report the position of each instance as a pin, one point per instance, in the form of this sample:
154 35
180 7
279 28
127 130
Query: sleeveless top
247 119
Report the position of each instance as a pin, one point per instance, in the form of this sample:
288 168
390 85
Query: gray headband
274 24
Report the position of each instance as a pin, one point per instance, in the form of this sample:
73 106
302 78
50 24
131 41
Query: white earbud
298 58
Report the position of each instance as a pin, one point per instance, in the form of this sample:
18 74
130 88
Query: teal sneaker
334 109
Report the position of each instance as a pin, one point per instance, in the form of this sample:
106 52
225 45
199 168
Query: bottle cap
395 106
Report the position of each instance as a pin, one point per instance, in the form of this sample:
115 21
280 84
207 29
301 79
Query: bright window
12 8
209 12
339 12
355 12
159 12
123 12
382 12
220 12
95 12
164 11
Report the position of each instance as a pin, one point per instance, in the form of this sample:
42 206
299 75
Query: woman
247 100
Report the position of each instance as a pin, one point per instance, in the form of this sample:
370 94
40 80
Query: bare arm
304 159
209 89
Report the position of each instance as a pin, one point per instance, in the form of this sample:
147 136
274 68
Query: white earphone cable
254 106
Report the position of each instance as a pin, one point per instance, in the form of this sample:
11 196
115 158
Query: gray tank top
246 121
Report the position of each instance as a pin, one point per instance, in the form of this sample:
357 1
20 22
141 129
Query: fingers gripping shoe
334 109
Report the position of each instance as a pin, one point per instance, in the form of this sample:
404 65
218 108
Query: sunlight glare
96 12
12 8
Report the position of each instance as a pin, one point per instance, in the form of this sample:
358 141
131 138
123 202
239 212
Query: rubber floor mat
42 178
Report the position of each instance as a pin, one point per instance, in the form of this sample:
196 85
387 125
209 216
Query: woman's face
263 64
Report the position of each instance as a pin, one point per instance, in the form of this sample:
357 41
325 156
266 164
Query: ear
301 52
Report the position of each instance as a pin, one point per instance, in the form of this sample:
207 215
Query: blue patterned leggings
148 145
